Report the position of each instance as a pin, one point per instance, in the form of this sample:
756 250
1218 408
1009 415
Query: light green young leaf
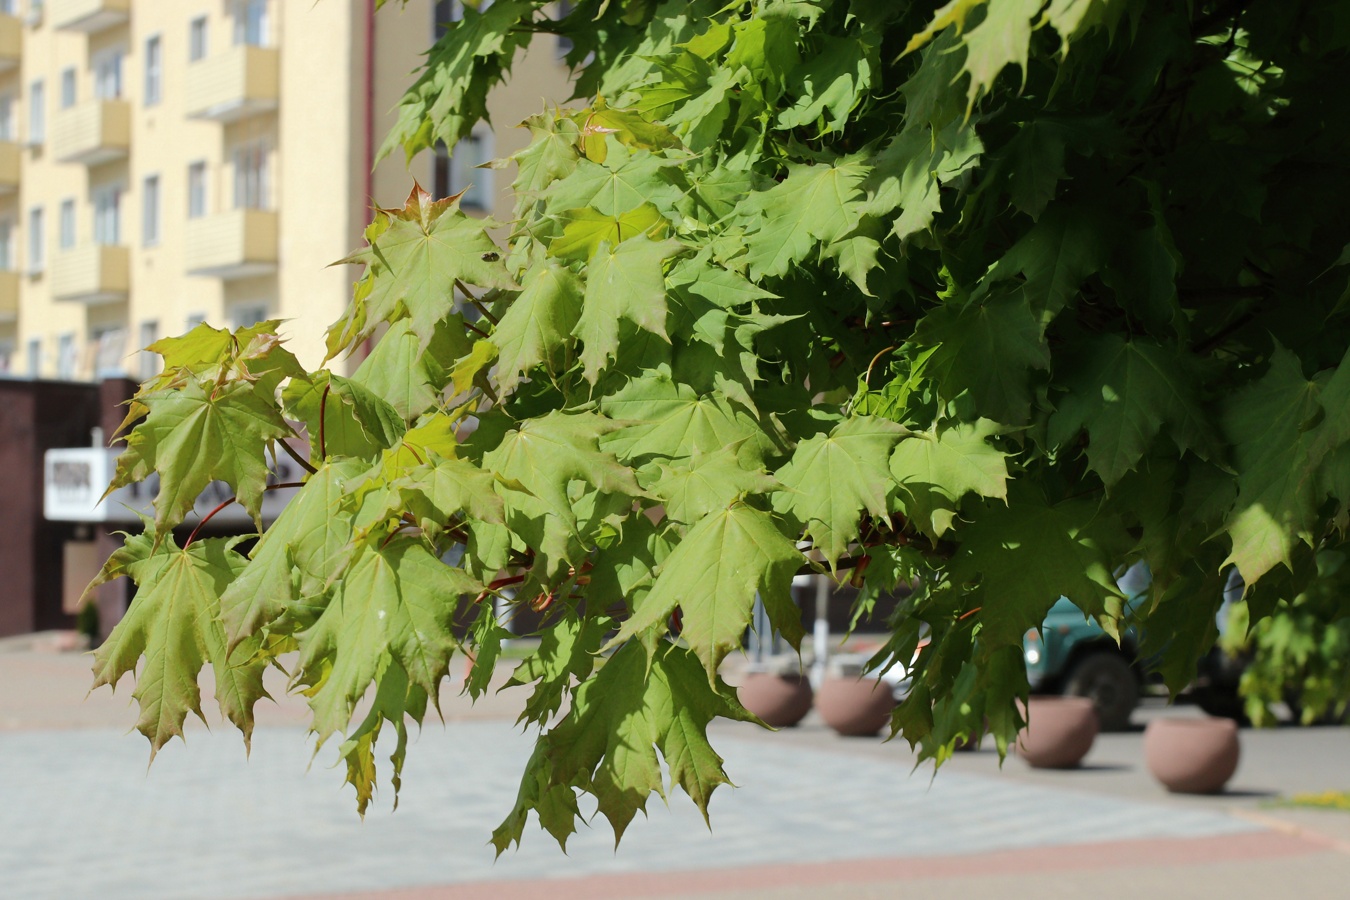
537 323
706 482
814 205
175 625
623 281
833 478
608 742
936 468
192 438
713 575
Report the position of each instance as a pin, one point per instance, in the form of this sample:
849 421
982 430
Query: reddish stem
323 414
206 518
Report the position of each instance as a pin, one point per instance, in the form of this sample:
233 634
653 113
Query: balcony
9 296
9 167
92 274
92 133
240 243
11 42
233 85
88 16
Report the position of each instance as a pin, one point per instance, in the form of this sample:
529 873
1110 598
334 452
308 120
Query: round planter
855 707
1192 756
1059 732
779 700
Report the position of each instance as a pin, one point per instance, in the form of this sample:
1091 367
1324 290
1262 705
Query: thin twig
323 415
290 451
206 518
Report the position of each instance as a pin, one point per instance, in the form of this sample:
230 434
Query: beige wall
317 144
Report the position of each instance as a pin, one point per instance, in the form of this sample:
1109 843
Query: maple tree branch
284 484
477 304
206 518
290 451
323 417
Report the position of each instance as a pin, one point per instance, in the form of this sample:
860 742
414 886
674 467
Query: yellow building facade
165 162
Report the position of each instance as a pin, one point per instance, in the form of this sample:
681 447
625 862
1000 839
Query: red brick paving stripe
1031 861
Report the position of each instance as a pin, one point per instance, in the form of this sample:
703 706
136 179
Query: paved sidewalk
814 816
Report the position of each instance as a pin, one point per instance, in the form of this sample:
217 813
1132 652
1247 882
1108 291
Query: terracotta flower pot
781 700
855 707
1192 756
1059 732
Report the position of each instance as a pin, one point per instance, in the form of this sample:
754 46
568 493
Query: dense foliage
995 297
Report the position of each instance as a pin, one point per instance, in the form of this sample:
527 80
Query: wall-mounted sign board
75 477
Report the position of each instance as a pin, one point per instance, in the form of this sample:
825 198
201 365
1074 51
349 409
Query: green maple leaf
909 173
416 255
626 181
568 650
607 745
623 281
1278 445
296 557
441 489
175 625
1023 556
830 84
586 231
815 204
550 155
989 350
954 12
1055 257
537 323
192 438
544 456
936 468
1000 40
451 93
395 602
1124 392
833 478
705 482
670 420
395 700
713 575
404 374
355 421
628 126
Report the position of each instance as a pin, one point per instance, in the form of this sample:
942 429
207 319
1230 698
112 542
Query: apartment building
165 162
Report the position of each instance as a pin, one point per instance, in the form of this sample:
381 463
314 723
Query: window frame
37 112
151 203
37 245
70 93
106 212
65 225
197 200
153 71
199 38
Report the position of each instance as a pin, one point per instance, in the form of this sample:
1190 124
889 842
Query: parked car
1071 654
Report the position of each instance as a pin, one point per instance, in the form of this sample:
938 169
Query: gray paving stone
81 817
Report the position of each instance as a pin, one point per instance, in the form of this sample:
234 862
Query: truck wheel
1107 679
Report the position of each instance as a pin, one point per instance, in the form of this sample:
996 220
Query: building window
68 87
250 22
108 75
250 176
107 218
149 359
150 211
444 14
66 225
564 43
6 357
35 358
154 70
37 256
457 171
7 130
247 314
65 356
108 348
195 319
6 245
197 39
196 190
37 112
9 7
